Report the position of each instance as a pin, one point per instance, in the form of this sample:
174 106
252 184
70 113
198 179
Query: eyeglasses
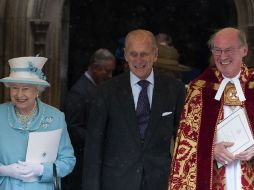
227 51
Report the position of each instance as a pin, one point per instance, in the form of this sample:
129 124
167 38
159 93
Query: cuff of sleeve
47 175
1 179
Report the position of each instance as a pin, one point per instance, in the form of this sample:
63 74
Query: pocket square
166 113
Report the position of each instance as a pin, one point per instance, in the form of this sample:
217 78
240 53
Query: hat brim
170 65
25 81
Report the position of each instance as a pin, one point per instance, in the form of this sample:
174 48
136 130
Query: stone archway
29 27
245 17
2 44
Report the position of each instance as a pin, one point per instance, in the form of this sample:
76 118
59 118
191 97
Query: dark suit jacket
115 155
77 108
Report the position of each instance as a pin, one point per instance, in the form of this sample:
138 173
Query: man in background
78 104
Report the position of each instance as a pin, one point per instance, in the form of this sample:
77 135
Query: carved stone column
250 39
39 31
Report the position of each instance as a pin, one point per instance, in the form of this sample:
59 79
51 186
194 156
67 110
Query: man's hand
246 155
221 154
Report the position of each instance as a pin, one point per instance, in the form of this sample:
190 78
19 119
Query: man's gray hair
241 38
141 33
100 56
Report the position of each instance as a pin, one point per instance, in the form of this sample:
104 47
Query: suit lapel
128 108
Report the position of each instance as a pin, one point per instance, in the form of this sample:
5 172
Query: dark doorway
100 23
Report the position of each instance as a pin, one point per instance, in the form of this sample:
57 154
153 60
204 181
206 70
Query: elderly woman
21 117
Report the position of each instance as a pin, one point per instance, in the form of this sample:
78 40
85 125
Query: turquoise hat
26 70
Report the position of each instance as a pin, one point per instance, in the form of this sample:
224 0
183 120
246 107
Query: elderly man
197 150
130 126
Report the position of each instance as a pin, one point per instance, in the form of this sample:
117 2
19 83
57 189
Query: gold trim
200 83
251 85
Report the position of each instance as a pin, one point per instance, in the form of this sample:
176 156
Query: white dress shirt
136 88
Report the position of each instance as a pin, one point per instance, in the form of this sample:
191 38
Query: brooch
230 96
47 120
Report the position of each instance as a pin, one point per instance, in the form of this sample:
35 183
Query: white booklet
235 128
43 146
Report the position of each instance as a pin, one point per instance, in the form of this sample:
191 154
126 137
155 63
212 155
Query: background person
197 151
168 58
78 104
23 115
167 61
131 123
121 64
164 39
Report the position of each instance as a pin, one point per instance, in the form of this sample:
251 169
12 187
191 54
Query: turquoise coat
14 140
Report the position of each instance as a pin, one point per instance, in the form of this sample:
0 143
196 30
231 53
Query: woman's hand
34 170
15 170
